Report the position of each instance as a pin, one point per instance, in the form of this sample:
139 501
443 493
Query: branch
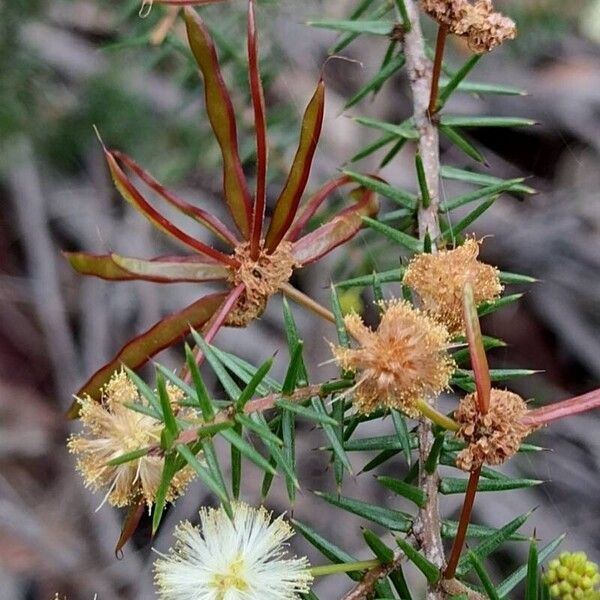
428 524
367 584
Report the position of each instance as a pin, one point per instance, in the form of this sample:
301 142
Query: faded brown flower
493 437
482 26
262 278
403 361
111 429
439 280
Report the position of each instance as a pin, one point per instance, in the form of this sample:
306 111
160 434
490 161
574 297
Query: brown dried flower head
111 430
492 437
482 27
405 360
262 278
440 279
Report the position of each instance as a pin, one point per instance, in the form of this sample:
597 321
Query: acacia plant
143 442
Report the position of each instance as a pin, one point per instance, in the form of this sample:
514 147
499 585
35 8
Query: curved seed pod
139 350
114 267
222 119
287 203
338 230
130 193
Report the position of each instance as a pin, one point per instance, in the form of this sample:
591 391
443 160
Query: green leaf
455 485
462 143
247 450
381 27
206 406
144 389
263 432
392 153
295 368
488 586
404 14
340 326
450 85
484 192
431 572
478 87
449 529
347 38
380 442
393 66
402 433
304 411
374 146
491 543
392 519
513 580
205 475
171 429
381 551
127 457
410 492
391 276
212 461
231 388
516 278
433 458
425 196
173 378
246 371
331 433
324 546
485 308
531 584
401 197
160 500
405 130
253 384
293 340
480 179
452 230
484 121
399 237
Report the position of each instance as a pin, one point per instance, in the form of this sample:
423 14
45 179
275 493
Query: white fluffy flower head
240 559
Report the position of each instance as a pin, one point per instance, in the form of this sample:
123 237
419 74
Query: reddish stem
216 323
566 408
437 68
260 125
463 524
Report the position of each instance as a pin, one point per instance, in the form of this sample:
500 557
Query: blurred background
66 65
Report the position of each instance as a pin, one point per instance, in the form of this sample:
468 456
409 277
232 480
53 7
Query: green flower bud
572 576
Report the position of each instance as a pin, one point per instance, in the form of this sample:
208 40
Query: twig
367 584
428 523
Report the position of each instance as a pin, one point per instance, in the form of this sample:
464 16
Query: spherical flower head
482 27
439 280
493 437
572 576
244 558
404 361
111 429
262 277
